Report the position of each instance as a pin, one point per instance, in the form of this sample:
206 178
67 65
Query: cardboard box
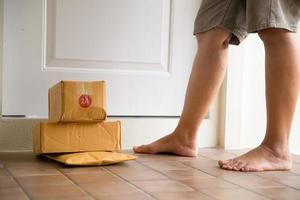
50 137
75 101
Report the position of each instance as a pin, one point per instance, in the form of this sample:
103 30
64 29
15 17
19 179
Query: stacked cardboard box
77 120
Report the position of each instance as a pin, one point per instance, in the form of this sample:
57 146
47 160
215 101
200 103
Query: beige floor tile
186 174
129 165
32 170
12 193
116 187
292 181
3 172
135 175
19 157
166 165
133 196
7 181
181 196
279 193
296 168
156 157
278 174
252 182
1 164
233 194
28 181
206 183
217 154
101 177
216 171
24 163
201 162
77 170
162 186
80 197
53 191
284 177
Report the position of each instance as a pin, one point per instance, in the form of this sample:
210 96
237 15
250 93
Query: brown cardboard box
75 101
50 137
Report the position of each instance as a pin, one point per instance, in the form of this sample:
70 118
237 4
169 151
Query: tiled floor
25 176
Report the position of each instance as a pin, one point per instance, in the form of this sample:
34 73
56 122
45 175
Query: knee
216 38
274 36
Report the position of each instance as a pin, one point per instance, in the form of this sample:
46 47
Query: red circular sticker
85 100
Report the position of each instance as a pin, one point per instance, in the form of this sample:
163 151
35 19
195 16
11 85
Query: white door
143 49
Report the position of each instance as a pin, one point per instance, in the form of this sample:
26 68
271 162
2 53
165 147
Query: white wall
253 96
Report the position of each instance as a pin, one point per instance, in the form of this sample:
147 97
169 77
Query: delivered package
51 137
90 158
77 101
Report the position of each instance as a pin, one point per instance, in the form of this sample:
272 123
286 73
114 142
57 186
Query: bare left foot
261 158
172 143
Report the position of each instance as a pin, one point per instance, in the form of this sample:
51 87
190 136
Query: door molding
50 62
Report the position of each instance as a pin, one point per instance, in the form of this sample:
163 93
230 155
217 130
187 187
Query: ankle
278 150
186 138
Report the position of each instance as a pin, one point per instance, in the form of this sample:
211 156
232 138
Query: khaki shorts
247 16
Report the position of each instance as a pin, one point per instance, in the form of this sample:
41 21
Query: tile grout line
175 179
280 182
119 177
77 185
252 191
16 180
90 194
252 174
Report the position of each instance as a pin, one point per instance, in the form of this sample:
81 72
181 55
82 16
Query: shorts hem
289 27
238 34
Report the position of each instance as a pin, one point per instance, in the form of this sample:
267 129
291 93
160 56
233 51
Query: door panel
143 49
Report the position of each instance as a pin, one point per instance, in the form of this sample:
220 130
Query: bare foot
171 143
261 158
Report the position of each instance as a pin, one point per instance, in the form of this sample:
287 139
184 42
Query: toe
142 149
229 164
225 166
239 166
232 164
251 168
235 166
245 169
224 162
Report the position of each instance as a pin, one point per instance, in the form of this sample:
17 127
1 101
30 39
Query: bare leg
282 90
206 77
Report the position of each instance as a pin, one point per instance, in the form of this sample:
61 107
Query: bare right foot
171 143
261 158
